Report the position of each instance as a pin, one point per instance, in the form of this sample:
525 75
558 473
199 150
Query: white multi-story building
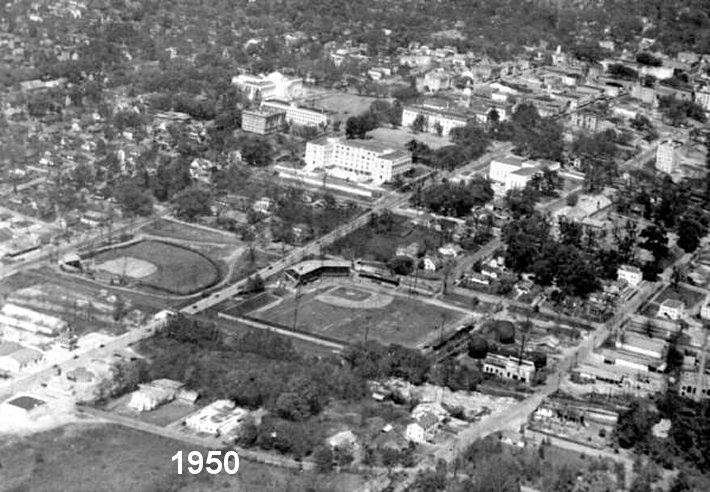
705 309
667 156
501 167
702 97
357 160
513 172
299 115
448 119
273 86
630 274
671 309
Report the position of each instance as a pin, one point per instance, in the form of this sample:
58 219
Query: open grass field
344 105
401 320
178 270
186 232
402 136
109 458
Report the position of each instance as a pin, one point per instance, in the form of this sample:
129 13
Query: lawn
108 458
402 320
178 270
186 232
402 136
344 105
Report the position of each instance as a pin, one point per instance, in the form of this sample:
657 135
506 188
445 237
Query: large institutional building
298 115
448 119
263 121
370 161
273 86
512 172
667 156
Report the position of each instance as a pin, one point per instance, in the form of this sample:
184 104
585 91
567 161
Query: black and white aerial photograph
354 246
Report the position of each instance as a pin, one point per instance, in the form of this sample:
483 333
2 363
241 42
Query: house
343 440
263 205
630 274
450 249
671 309
187 396
705 309
154 394
219 418
507 367
426 422
431 263
412 250
523 287
477 278
512 438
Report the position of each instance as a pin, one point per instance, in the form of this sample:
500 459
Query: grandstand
307 271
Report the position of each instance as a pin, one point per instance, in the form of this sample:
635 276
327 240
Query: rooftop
673 304
27 403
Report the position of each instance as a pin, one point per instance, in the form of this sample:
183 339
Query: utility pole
526 324
297 302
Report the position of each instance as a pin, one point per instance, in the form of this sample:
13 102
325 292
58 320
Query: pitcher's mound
128 266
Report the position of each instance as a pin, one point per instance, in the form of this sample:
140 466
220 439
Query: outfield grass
178 230
109 458
179 270
404 321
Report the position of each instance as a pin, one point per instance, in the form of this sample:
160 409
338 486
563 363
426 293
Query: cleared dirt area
128 266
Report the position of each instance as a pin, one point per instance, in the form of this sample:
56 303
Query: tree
133 201
655 240
401 265
257 152
192 202
323 458
477 347
691 228
420 123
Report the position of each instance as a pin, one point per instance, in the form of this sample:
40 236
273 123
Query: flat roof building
263 121
370 161
299 115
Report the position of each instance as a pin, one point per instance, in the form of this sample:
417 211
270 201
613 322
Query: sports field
162 266
348 313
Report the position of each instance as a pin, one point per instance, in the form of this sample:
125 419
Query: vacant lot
108 458
186 232
404 321
178 270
